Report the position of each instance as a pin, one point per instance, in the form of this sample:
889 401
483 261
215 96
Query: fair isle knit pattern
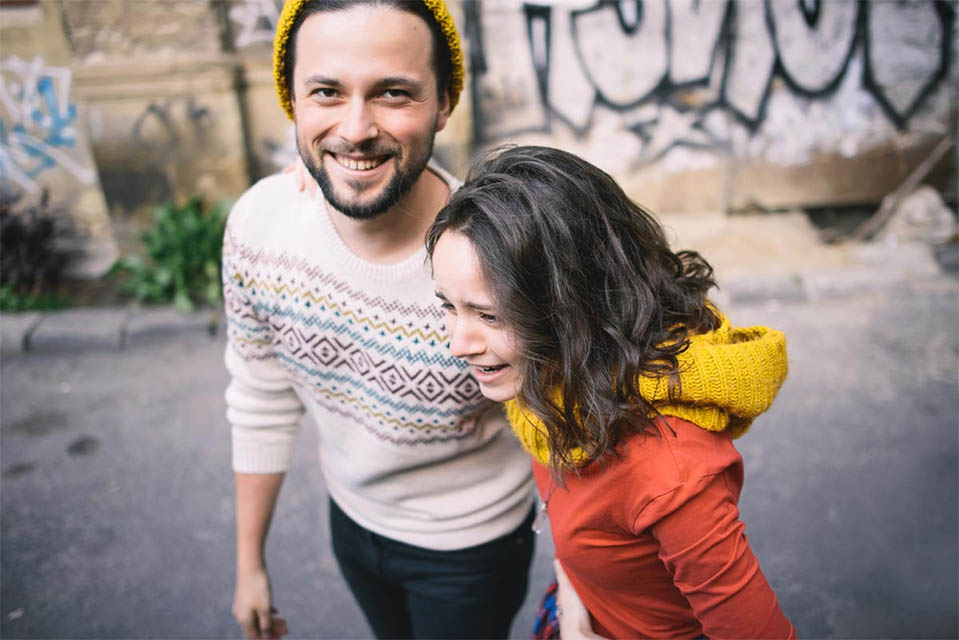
371 351
371 359
408 447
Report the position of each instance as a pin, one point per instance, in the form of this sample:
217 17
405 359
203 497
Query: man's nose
358 123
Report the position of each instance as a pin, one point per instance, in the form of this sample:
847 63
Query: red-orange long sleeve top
653 544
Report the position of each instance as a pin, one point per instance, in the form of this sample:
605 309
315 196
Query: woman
624 384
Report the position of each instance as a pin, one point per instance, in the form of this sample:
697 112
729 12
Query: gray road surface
117 506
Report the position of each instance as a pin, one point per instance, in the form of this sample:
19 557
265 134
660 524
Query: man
331 310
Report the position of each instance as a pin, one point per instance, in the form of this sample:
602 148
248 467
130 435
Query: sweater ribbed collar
401 271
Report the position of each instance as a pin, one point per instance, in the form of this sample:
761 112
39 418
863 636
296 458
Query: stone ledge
78 329
15 330
159 323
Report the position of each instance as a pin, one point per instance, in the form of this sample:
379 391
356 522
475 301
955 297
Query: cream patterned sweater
409 447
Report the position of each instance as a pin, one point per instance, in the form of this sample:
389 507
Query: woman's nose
464 340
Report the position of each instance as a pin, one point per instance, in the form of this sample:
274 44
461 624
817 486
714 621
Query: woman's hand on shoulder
574 622
304 181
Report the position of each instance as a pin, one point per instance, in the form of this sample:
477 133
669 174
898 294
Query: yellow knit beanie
292 8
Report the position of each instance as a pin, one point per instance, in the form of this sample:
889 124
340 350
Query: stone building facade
695 105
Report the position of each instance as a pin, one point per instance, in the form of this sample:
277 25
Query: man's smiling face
365 104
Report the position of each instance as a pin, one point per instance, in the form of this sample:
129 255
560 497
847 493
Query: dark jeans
411 592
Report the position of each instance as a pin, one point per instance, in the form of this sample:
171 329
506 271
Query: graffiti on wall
668 66
256 20
168 135
163 125
38 129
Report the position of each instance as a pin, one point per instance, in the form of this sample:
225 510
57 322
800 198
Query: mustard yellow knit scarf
728 377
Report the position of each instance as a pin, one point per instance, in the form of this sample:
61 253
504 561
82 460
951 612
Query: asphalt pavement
116 506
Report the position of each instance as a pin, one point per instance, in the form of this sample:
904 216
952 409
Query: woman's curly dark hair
586 279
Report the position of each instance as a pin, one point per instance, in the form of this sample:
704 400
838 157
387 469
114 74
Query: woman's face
476 333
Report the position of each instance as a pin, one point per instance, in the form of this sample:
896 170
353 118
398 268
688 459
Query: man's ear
444 113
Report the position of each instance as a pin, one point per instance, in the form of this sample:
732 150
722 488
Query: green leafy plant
33 253
182 257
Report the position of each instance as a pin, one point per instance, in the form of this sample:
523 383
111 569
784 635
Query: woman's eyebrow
478 306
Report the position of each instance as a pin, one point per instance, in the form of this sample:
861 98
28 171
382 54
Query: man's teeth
358 165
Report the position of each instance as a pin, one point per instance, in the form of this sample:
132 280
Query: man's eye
488 317
324 92
446 306
396 93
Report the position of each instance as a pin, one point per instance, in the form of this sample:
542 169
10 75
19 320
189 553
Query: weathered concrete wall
43 141
163 131
693 104
134 30
714 104
165 119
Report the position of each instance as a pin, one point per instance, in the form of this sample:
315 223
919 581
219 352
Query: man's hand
304 181
574 623
256 495
253 607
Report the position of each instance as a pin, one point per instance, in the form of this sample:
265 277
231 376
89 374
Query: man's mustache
367 148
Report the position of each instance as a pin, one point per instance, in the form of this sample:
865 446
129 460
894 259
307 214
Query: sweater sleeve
703 545
262 407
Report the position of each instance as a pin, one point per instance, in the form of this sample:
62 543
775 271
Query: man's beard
402 181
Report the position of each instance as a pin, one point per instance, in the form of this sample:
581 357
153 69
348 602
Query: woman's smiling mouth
491 369
492 374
